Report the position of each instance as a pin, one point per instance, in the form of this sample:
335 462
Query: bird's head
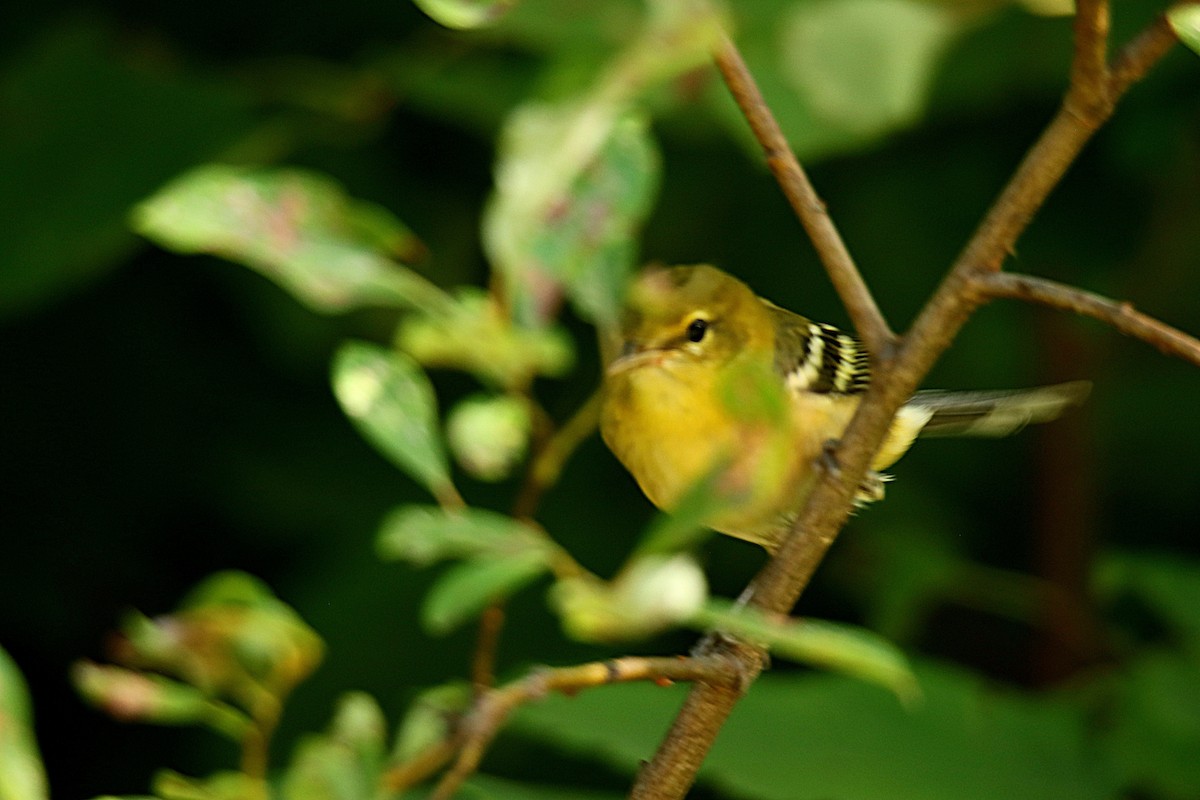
676 316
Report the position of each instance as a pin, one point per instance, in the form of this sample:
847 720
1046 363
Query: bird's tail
994 413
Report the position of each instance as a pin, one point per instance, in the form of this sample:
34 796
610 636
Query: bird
712 386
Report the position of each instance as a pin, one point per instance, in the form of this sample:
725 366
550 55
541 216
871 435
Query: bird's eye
696 329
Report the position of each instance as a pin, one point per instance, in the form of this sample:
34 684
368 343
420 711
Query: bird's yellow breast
668 426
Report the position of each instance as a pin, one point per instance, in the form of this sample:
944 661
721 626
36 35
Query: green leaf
1185 21
22 776
429 719
1154 735
333 253
859 68
651 594
467 588
423 535
472 334
489 434
170 785
132 696
819 735
573 185
231 638
390 400
575 180
485 787
1168 584
466 14
818 643
345 763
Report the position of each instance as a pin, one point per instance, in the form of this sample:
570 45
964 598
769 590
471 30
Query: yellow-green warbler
690 395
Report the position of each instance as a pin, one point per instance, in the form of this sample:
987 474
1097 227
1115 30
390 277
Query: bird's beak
634 355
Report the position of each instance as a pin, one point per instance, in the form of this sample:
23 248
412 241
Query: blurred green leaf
346 762
485 787
866 65
230 638
93 124
22 776
854 651
651 594
833 736
132 696
230 588
1168 584
1185 21
574 180
466 14
332 252
573 184
685 526
464 590
1154 735
472 334
429 719
489 434
391 402
423 535
171 785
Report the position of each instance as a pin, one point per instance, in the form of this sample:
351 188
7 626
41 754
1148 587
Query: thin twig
552 455
776 588
864 312
483 662
1089 67
492 710
1142 53
1120 315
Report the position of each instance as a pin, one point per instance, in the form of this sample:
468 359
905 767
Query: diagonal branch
777 587
1121 316
864 312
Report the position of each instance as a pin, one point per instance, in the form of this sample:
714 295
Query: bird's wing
815 357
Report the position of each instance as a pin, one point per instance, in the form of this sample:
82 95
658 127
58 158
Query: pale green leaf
423 535
465 14
865 65
473 334
391 402
467 588
842 648
651 594
297 228
489 434
573 185
22 776
1185 21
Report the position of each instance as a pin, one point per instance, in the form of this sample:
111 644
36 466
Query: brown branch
777 587
489 714
864 312
1120 315
1089 66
